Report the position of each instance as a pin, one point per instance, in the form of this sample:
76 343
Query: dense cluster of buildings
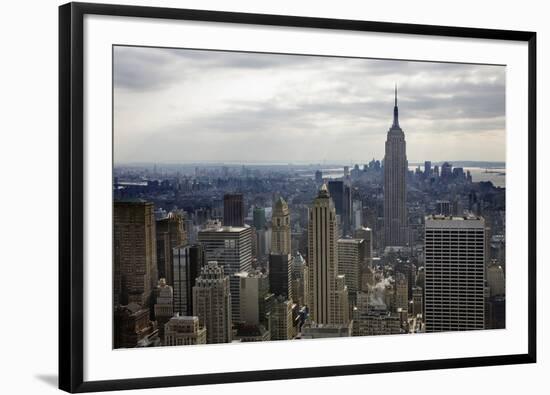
295 254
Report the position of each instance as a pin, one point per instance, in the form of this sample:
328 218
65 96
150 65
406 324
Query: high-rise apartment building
183 331
233 209
280 228
170 233
322 258
135 258
454 273
231 248
212 303
187 261
395 189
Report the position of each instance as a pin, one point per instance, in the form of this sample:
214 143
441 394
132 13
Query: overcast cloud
176 105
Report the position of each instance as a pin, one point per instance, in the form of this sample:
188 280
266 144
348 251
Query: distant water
496 176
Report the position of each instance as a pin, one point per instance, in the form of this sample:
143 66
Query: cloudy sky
177 105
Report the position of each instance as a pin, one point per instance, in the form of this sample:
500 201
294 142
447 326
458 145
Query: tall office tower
300 287
356 215
187 261
443 207
280 275
235 281
365 234
281 319
254 243
135 256
340 193
132 326
401 294
253 293
170 234
408 269
280 228
446 171
183 331
427 168
319 176
212 303
495 279
417 301
231 247
454 273
164 305
395 188
258 217
263 241
342 309
351 262
322 258
233 209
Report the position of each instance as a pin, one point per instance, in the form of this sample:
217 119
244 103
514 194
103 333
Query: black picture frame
71 173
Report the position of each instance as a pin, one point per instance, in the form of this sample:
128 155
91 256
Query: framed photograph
250 197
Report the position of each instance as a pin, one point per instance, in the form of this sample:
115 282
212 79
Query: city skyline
219 254
170 102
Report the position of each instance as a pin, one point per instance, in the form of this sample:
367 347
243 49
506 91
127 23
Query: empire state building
395 191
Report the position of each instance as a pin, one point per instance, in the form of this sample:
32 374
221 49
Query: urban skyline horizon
224 105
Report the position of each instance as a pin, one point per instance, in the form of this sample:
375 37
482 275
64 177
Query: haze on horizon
184 106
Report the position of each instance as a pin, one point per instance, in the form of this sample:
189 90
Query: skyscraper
212 304
280 229
395 190
233 209
170 233
340 193
135 258
280 275
427 168
253 293
323 258
231 248
366 235
187 261
300 280
351 260
258 215
164 305
281 319
454 273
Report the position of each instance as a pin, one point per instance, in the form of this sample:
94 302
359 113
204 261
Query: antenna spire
395 111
